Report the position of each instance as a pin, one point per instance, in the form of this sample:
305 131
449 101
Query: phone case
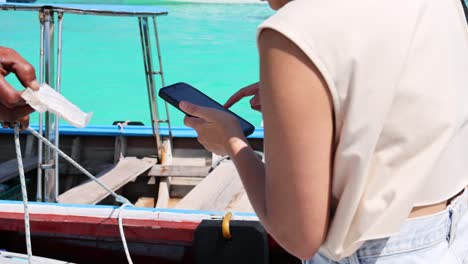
169 94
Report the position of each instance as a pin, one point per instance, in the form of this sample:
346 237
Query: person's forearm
252 172
275 213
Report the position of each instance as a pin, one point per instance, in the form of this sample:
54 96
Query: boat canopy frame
50 72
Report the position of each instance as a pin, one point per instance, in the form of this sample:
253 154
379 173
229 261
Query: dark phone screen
178 92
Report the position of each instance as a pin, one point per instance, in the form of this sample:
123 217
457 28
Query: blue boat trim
95 9
112 207
130 131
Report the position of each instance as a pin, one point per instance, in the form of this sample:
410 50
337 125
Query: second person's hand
12 106
12 62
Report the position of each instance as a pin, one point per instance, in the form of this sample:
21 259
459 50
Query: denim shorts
440 238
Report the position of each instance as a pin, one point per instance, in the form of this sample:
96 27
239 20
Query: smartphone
175 93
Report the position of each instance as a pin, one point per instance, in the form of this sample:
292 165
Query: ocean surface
209 45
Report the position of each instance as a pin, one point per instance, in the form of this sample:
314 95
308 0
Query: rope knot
122 125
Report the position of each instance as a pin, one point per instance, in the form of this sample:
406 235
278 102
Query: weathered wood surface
180 186
164 184
163 193
179 171
70 178
9 169
124 171
221 190
145 202
29 148
120 148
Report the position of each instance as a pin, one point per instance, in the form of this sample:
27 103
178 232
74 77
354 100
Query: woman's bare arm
290 192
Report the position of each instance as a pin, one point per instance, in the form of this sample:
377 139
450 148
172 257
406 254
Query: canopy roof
92 9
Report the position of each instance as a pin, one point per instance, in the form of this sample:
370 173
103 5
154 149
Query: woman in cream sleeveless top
365 108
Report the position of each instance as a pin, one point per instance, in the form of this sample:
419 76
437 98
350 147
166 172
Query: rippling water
211 46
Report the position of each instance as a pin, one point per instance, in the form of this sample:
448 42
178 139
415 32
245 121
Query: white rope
125 202
25 194
122 234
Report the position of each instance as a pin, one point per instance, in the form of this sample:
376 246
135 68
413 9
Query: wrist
235 145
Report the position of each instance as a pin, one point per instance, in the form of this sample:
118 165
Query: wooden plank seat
126 170
179 171
221 190
9 169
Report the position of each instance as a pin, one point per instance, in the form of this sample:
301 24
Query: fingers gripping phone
175 93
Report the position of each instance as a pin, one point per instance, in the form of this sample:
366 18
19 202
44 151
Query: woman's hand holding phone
218 131
178 92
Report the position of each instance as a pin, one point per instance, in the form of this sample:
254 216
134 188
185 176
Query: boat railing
50 73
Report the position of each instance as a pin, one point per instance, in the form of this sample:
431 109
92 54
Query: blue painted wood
113 207
137 131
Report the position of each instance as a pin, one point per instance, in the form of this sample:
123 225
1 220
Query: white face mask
47 99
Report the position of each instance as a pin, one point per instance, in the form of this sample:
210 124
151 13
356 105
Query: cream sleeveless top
398 74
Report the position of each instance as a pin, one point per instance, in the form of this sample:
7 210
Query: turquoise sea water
211 46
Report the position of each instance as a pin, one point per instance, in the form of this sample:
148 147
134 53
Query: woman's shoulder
347 30
349 17
340 32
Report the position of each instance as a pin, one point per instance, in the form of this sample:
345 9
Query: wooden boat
181 193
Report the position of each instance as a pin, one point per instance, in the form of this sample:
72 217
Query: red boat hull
71 233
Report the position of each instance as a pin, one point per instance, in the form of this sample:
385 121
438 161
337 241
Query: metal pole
39 143
57 119
49 79
145 44
161 73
